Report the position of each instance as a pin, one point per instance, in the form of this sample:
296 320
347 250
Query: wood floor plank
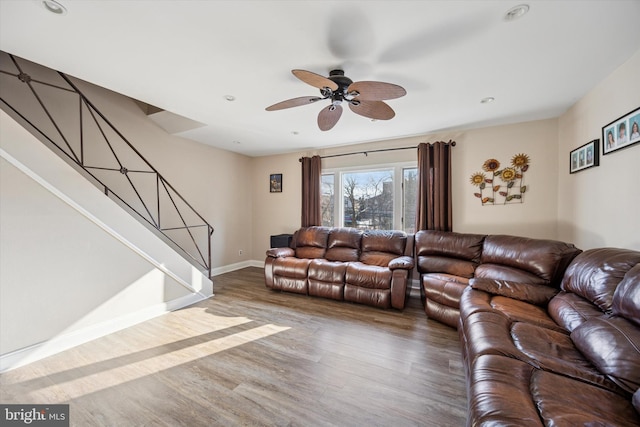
250 356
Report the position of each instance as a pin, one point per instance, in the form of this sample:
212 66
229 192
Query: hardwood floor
251 356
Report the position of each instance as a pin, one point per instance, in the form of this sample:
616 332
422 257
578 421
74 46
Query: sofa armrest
534 294
403 262
280 252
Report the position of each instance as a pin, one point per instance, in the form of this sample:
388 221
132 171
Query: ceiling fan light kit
365 98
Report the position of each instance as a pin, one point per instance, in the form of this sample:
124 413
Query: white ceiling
185 56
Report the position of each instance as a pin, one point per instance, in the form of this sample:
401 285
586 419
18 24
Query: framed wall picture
275 183
584 157
622 132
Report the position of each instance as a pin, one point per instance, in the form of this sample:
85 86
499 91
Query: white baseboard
66 341
237 266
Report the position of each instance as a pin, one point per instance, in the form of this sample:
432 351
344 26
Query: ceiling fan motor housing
343 82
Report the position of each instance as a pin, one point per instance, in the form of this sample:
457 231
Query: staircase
52 107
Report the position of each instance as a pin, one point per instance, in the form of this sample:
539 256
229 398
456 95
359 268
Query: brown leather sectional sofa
367 267
550 334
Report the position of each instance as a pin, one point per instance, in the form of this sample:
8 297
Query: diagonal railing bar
81 121
181 218
116 170
27 79
182 228
39 81
122 170
100 121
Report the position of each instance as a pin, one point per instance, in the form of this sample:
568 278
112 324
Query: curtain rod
366 153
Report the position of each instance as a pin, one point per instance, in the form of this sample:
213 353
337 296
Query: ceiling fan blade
376 91
294 102
329 116
315 80
378 110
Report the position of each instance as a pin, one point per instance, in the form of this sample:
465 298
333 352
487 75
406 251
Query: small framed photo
584 157
275 183
622 132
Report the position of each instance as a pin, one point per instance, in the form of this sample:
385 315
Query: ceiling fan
364 98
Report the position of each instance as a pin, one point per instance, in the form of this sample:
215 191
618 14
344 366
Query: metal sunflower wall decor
502 186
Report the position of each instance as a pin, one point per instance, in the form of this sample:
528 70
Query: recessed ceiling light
516 12
230 97
54 7
294 132
487 100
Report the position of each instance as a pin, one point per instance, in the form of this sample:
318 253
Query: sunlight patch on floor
133 371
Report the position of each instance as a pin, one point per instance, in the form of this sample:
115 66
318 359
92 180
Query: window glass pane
368 199
327 199
409 196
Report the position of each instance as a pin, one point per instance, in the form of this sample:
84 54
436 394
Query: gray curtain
434 187
311 212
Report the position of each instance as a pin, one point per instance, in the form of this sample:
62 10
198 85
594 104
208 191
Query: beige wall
536 217
600 206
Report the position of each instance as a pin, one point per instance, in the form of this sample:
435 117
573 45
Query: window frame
397 169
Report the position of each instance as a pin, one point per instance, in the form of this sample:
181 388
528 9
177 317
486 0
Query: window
374 198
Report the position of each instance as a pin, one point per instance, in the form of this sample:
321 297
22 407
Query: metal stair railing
59 114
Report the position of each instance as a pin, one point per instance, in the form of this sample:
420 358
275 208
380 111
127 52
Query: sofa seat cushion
508 392
543 348
570 310
327 271
368 276
520 311
612 344
474 301
445 289
564 401
555 351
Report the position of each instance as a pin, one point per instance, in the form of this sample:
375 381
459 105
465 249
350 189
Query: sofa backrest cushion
448 252
626 298
540 260
381 246
344 244
311 242
612 345
595 274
